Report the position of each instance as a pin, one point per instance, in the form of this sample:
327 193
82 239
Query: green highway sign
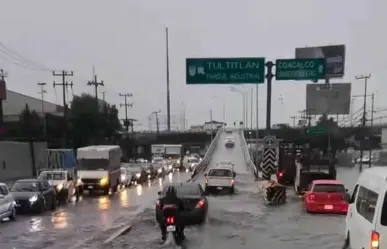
300 69
225 70
315 131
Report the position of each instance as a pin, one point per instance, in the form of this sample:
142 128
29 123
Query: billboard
334 55
330 99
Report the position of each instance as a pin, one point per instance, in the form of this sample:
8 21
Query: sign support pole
269 77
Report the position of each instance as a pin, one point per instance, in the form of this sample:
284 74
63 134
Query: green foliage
31 124
328 123
92 123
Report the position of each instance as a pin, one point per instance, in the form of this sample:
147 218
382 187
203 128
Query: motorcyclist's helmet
171 191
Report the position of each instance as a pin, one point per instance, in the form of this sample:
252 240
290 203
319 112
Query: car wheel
13 214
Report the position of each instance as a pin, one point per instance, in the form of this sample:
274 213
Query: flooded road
74 224
244 221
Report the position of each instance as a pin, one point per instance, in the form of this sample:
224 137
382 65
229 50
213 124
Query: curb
120 232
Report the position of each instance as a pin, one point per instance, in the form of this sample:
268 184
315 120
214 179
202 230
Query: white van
366 221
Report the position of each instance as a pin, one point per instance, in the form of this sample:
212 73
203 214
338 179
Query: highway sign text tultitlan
225 70
300 69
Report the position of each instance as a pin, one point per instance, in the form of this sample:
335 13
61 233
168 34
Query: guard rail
207 157
250 164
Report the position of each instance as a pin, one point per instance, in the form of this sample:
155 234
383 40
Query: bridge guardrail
207 157
246 153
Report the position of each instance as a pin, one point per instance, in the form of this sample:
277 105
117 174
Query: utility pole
372 123
294 120
211 123
156 113
168 92
3 75
64 85
96 84
246 123
365 78
103 95
42 92
126 105
251 109
257 112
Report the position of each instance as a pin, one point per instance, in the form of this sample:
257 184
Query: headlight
33 199
104 181
148 171
123 178
170 167
138 175
160 170
59 187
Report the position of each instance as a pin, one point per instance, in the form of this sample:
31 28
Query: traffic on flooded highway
215 219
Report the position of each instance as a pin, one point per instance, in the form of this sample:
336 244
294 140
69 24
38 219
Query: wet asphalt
242 220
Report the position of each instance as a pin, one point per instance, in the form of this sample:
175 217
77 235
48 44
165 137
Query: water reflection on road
92 213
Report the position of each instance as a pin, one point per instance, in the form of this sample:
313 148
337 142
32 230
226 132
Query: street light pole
372 123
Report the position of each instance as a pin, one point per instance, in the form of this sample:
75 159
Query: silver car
7 203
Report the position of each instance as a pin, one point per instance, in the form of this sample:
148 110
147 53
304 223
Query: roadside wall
16 159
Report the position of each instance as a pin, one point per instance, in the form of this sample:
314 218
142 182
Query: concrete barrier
250 164
207 157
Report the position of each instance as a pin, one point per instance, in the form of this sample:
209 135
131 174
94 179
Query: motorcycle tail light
200 204
170 220
280 174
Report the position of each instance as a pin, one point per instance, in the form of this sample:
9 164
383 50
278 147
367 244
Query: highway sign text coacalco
225 70
300 69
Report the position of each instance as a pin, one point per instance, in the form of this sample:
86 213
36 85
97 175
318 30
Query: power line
126 105
64 85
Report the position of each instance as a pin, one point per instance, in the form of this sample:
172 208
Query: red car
326 196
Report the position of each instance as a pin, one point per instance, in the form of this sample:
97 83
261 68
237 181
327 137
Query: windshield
25 187
329 188
220 173
52 176
93 164
182 190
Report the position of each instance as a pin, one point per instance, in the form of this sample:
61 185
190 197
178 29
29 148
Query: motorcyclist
171 198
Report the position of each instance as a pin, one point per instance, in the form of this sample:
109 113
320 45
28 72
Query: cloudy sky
125 41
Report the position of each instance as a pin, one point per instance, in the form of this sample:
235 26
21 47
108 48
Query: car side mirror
346 190
159 192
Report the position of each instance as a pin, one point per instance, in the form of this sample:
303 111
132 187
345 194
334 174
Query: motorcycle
172 228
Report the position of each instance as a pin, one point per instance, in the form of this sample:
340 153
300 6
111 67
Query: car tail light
200 204
280 174
158 203
374 240
170 220
311 197
232 181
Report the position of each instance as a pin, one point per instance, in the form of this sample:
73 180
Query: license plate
171 228
220 188
328 207
90 187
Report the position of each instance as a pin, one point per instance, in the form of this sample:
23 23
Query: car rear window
220 173
185 190
330 188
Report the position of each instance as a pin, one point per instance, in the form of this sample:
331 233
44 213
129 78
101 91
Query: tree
328 123
91 123
30 123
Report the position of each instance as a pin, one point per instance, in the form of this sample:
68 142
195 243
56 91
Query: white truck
60 170
100 167
158 150
173 154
